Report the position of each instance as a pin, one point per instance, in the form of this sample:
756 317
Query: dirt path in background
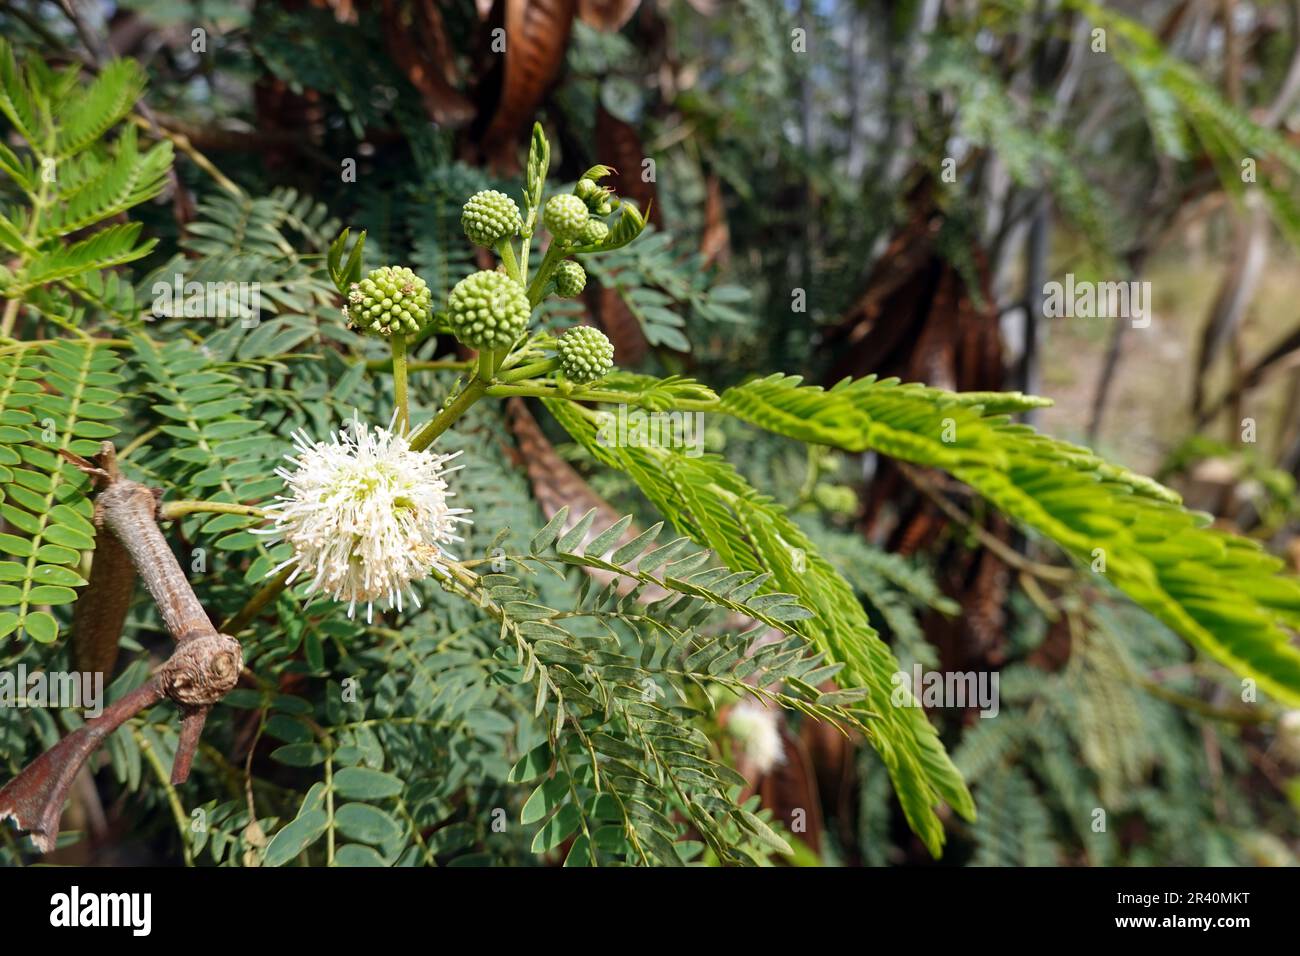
1148 398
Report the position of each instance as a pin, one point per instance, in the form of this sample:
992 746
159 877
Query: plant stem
530 371
609 396
39 202
14 345
173 799
416 365
554 253
506 250
97 622
182 142
1236 715
128 510
139 441
329 804
399 382
475 390
810 479
265 595
171 510
530 228
1045 572
10 316
204 667
523 391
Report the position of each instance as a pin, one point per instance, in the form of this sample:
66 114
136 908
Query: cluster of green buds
490 310
576 221
600 200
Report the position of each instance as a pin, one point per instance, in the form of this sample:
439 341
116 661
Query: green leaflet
1016 830
622 706
234 238
72 183
1221 592
112 186
210 444
1176 98
705 499
61 396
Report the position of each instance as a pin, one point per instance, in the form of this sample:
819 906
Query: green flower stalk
392 302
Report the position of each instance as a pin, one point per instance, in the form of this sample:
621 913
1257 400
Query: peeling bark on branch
203 669
97 625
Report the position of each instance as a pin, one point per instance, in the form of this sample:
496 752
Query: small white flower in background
1288 736
366 515
756 729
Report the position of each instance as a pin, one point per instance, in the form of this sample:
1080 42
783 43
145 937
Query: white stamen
365 514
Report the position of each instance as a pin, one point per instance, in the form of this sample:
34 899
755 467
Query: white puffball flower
756 729
366 516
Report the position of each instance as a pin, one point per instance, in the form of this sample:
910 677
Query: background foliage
775 173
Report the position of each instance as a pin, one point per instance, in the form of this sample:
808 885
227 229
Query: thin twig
1045 572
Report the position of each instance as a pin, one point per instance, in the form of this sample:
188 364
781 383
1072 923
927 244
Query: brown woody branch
203 669
97 624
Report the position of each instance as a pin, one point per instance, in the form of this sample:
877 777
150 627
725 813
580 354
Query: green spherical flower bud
488 310
594 233
570 278
585 354
489 217
565 216
391 300
837 499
